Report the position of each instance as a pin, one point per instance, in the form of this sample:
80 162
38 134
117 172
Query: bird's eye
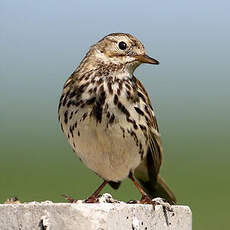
122 45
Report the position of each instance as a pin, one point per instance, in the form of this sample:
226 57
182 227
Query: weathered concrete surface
101 216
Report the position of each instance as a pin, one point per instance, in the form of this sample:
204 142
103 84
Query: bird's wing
155 147
148 171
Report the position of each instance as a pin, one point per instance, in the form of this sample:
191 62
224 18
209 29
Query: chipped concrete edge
100 216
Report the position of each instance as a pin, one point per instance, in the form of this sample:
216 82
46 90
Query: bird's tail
158 189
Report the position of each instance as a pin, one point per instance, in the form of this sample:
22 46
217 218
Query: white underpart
102 147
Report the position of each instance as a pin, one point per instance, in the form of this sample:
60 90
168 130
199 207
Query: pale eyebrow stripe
112 40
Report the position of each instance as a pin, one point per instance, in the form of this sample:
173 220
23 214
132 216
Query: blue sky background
42 42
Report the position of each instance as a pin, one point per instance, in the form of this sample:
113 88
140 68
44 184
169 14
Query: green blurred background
42 42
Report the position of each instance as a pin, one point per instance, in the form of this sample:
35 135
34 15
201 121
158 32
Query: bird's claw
70 199
154 202
91 199
163 203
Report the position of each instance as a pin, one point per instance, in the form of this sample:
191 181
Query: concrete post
100 216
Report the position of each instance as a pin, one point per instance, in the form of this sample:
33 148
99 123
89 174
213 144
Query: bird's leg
145 199
93 197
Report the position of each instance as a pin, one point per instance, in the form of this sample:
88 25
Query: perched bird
106 114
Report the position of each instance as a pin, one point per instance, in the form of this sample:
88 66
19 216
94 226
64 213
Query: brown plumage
107 116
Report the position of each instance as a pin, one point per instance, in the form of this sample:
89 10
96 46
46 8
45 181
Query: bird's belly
110 150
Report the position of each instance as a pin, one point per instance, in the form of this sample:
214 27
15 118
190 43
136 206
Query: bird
107 117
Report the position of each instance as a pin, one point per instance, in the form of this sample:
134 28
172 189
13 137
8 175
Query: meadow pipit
106 114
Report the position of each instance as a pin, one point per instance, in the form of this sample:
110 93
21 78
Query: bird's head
121 49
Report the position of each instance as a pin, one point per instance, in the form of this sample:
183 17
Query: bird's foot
91 199
70 199
146 200
156 201
163 203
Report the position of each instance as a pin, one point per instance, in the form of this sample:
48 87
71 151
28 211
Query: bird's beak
146 59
